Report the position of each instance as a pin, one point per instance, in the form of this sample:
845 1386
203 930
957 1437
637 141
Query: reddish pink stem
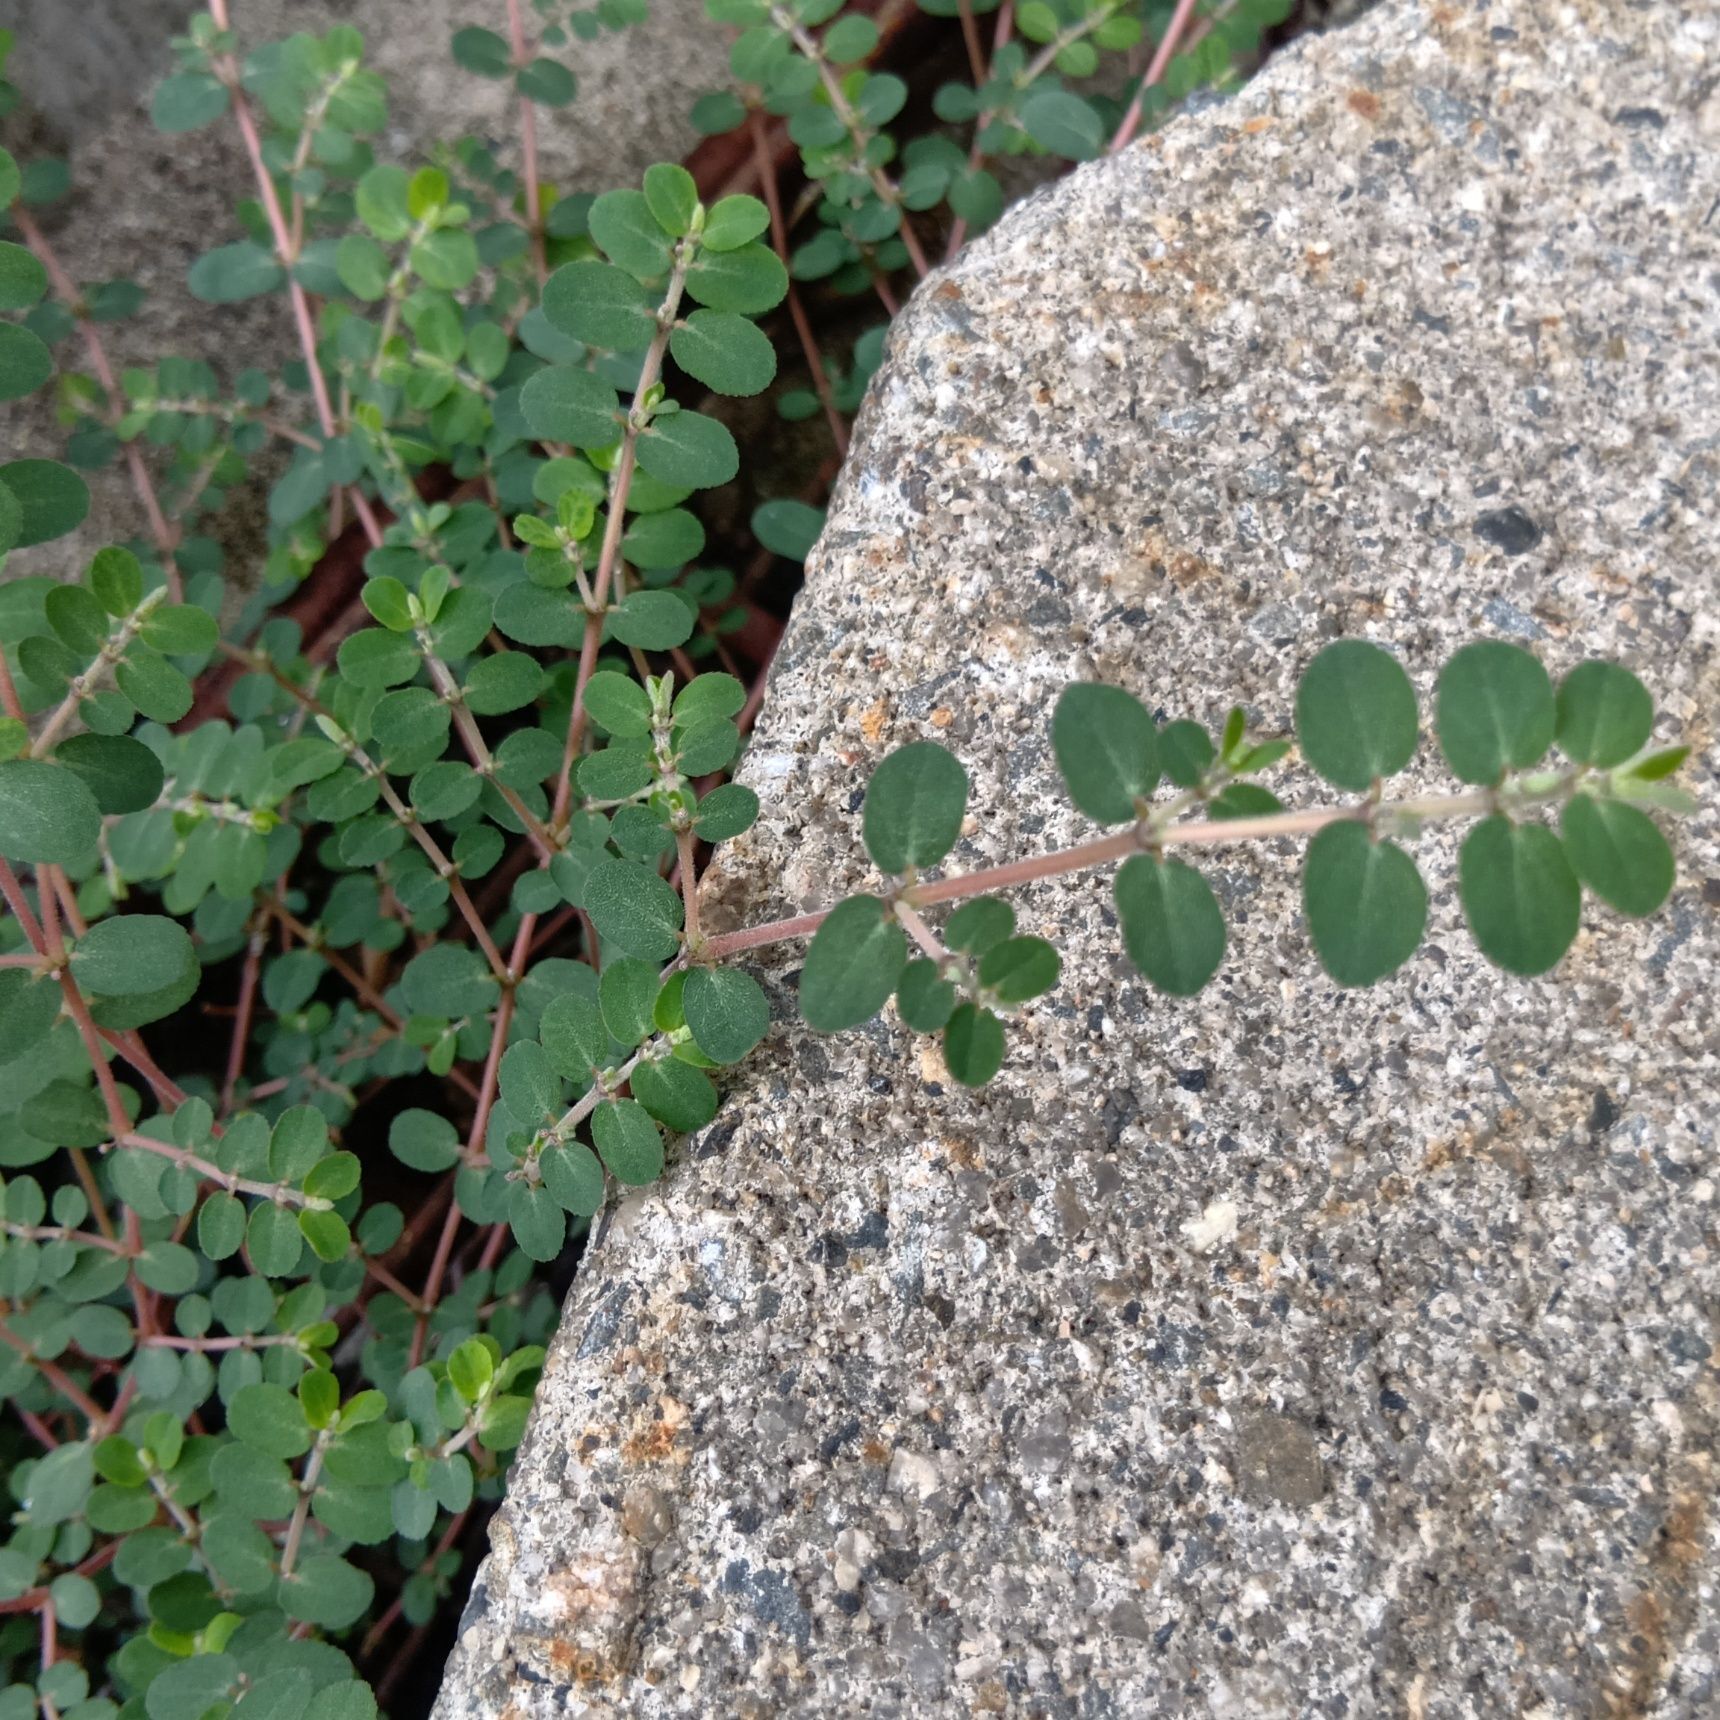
433 1285
65 289
60 1381
521 55
474 1142
55 950
1155 70
31 1599
9 701
970 38
242 1018
1000 37
775 932
1199 832
494 1243
286 255
41 1433
796 310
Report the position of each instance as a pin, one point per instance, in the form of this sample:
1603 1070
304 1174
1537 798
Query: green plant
444 885
1357 724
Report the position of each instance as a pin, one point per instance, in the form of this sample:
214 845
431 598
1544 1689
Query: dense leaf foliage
331 959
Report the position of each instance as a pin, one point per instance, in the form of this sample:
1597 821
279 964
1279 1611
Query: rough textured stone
1278 1459
146 206
1287 1351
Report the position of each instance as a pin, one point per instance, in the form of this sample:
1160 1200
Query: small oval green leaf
1520 896
635 909
573 1177
925 1000
1617 851
852 965
975 926
1366 903
574 1037
630 1144
1107 749
564 403
725 352
1604 715
47 813
1356 714
1186 751
727 1011
1494 710
131 954
914 808
1019 969
973 1045
676 1094
537 1219
1173 927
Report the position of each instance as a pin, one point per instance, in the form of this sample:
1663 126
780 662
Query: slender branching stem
482 761
439 861
33 1599
367 993
46 936
209 1346
605 1088
132 1049
796 310
1001 33
520 53
859 135
113 648
373 1637
302 1510
384 1277
689 886
614 526
166 539
186 1524
258 664
62 1233
1046 58
1149 837
1167 47
93 1194
474 1148
920 932
433 1285
308 129
60 1380
282 1194
477 749
10 704
255 944
22 912
970 39
286 252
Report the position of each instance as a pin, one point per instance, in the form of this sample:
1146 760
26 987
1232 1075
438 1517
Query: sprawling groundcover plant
346 972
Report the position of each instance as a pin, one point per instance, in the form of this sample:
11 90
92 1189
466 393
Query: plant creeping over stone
430 879
1543 829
